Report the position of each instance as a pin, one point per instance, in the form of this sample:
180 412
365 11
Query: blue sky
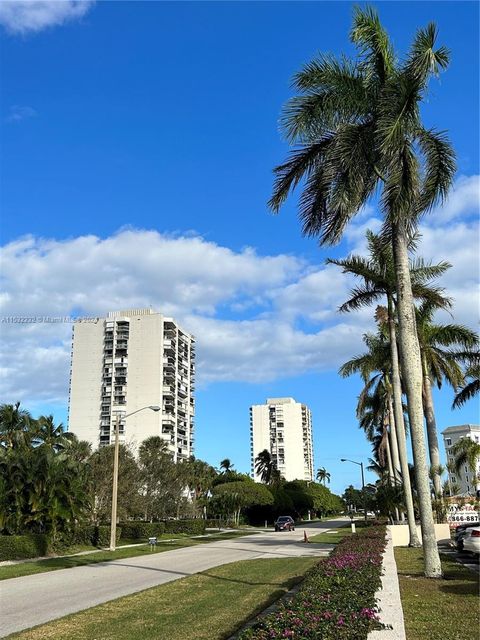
138 141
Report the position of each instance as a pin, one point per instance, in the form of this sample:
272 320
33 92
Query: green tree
101 480
162 481
50 435
199 476
242 495
15 426
471 389
266 468
226 465
466 452
359 129
439 363
323 475
378 282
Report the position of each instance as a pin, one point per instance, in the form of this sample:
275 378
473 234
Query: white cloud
18 113
463 200
22 16
256 318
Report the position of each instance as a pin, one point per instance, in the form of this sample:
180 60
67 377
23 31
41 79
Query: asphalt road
32 600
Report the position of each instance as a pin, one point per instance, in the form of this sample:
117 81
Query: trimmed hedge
101 536
142 530
190 527
218 523
337 598
30 545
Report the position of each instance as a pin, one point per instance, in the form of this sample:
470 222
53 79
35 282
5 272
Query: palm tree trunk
393 447
400 428
412 373
391 474
394 443
432 437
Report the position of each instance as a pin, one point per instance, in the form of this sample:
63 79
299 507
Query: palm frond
439 167
373 41
301 163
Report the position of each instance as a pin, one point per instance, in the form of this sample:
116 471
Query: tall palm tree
323 476
466 452
376 408
359 129
266 467
378 281
439 363
226 465
471 389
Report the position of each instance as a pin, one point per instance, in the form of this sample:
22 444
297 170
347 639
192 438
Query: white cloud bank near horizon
23 16
247 311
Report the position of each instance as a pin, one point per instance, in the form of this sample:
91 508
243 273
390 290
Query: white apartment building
284 428
130 360
466 480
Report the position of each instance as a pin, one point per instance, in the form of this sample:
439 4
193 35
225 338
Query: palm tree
466 452
376 408
323 475
471 389
50 435
266 467
15 426
439 364
359 129
378 280
226 465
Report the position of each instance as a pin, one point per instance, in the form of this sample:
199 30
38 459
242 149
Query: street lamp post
113 525
360 464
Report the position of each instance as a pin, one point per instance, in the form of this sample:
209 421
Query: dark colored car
284 523
460 533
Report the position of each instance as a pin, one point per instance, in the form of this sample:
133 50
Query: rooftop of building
462 427
280 401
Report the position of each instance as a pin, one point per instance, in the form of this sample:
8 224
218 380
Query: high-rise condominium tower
467 480
284 428
127 361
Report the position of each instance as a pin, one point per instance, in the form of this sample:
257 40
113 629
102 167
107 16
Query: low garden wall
388 599
400 534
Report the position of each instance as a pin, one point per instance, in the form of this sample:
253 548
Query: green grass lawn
67 562
437 609
207 606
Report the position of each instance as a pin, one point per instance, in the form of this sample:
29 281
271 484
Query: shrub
337 598
218 523
142 530
84 534
191 527
30 545
101 535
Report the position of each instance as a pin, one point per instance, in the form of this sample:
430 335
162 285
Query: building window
448 442
454 479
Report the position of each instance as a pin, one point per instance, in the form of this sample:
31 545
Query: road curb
388 599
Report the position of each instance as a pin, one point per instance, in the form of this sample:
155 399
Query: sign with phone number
462 517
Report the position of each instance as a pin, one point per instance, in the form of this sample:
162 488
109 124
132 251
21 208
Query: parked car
284 523
471 541
460 533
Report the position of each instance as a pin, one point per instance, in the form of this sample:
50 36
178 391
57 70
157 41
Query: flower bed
337 599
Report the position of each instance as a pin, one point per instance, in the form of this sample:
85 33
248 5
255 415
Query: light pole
360 464
113 525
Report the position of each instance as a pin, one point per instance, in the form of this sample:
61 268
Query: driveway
36 599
